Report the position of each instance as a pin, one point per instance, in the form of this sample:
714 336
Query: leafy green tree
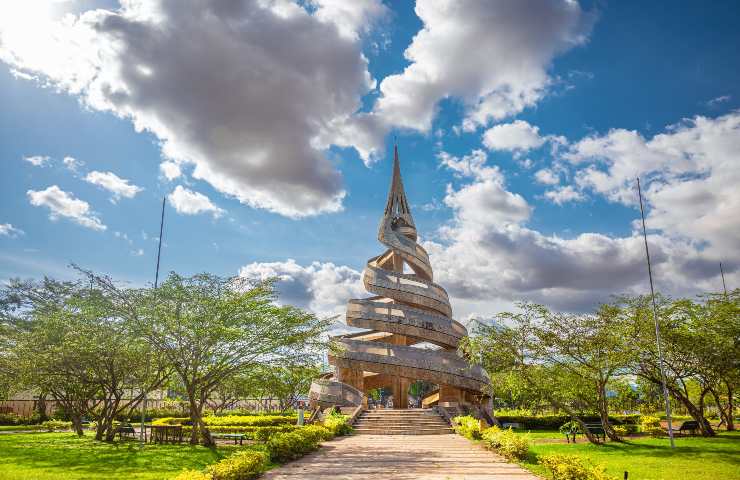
566 359
287 383
210 328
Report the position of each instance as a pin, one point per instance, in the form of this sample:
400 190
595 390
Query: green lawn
42 456
652 458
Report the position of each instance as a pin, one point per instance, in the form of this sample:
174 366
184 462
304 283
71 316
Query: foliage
651 425
507 443
338 424
193 475
11 418
317 433
284 447
211 328
570 427
621 430
571 467
467 426
239 466
256 421
56 425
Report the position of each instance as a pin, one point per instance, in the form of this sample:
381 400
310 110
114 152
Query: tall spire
397 207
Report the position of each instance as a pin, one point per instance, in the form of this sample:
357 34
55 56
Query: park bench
597 430
230 436
690 426
125 430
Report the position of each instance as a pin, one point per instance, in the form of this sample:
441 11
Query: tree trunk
704 427
41 407
730 409
77 424
603 405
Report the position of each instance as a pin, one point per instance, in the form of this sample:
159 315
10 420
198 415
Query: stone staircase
412 421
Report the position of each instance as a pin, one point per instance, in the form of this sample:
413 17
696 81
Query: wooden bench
597 430
230 436
125 430
690 426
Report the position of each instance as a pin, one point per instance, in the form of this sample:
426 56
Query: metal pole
655 319
722 272
156 284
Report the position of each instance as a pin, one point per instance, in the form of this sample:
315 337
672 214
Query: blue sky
521 126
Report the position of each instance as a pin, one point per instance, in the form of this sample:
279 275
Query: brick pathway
403 457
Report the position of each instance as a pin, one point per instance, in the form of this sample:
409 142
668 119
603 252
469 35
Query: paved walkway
403 457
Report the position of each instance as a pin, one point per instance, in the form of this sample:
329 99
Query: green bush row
553 422
242 465
12 418
280 447
511 445
233 420
467 426
338 424
571 467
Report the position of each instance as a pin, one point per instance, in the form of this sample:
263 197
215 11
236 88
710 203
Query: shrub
251 420
193 475
317 433
467 426
570 467
240 466
337 424
56 425
262 434
507 443
626 429
569 427
651 425
289 446
10 418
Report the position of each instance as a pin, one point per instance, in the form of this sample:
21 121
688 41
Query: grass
651 458
47 456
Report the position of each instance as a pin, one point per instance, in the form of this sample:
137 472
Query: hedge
571 467
553 422
233 420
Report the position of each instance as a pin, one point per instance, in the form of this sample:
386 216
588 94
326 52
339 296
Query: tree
211 328
565 359
287 383
683 346
74 346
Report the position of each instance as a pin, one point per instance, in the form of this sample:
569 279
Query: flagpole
142 433
722 272
655 319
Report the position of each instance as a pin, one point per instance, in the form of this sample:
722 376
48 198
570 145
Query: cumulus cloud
72 164
516 136
37 160
690 174
270 78
170 170
546 176
506 70
188 202
564 194
323 288
119 187
8 230
63 204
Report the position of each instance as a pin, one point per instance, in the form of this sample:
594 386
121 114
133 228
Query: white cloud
72 164
270 78
351 18
516 136
170 170
37 160
323 288
564 194
690 177
8 230
63 204
717 100
493 56
189 202
546 176
138 252
119 187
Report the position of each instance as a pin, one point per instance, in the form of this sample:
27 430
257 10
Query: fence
25 408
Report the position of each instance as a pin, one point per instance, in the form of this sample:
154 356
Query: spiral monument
407 312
